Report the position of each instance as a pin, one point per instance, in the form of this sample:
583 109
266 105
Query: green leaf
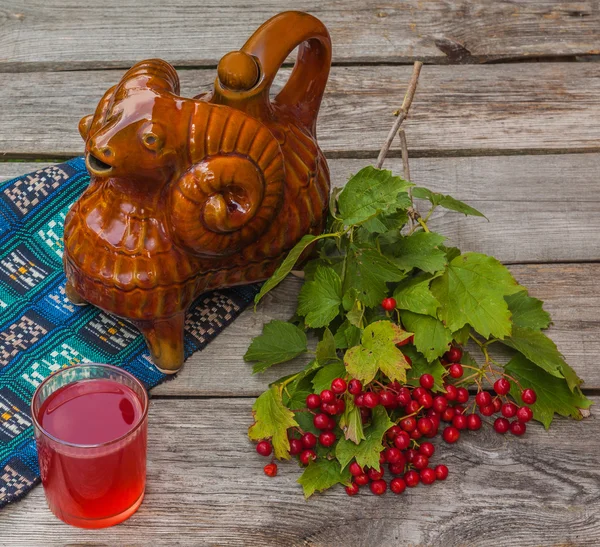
432 339
553 394
542 351
272 420
368 272
420 250
372 191
351 421
472 291
385 223
367 451
414 295
462 335
321 475
378 351
347 335
326 348
279 342
319 300
527 311
445 201
322 379
288 264
420 366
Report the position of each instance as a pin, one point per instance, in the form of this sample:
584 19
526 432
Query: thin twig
404 148
402 113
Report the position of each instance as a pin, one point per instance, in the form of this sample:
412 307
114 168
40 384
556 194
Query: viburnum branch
402 113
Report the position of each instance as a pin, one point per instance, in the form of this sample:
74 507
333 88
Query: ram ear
152 74
85 125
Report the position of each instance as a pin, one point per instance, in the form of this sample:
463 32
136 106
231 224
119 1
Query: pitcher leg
73 296
165 342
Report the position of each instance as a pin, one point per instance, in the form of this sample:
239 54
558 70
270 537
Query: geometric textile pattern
41 331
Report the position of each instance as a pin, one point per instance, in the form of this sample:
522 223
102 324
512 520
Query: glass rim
141 420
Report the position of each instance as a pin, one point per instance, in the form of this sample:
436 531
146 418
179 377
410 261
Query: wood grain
206 486
66 35
458 110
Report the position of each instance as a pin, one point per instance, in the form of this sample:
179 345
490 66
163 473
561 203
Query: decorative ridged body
188 195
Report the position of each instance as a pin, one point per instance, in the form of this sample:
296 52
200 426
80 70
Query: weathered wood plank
206 486
571 293
458 110
72 35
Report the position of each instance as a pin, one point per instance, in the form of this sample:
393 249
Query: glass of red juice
91 424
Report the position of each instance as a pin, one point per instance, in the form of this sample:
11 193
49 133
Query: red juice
93 456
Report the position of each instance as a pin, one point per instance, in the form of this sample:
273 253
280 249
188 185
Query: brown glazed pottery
188 195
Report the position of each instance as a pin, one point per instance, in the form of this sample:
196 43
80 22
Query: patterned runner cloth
41 331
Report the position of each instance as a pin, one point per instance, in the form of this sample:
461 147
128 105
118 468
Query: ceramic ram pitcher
188 195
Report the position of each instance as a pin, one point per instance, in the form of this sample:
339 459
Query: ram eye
150 140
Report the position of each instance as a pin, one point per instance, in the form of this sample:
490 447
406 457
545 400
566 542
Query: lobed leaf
319 300
432 338
321 475
527 311
280 341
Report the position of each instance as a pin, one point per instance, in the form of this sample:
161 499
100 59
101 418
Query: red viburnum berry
378 487
270 469
388 399
528 396
295 446
313 401
473 422
359 400
327 396
307 456
448 414
338 386
388 304
371 399
322 421
420 461
361 479
453 355
327 438
456 370
424 425
501 425
412 407
397 468
427 475
412 479
487 410
497 404
460 421
518 428
397 485
408 424
462 395
309 440
264 448
451 392
393 432
393 455
440 403
355 469
354 387
524 414
509 410
427 449
352 489
403 397
441 472
426 400
451 434
483 398
375 474
502 386
426 381
402 440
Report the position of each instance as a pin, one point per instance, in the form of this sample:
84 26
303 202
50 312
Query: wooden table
507 117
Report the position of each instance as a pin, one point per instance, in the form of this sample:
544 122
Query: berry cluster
419 414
